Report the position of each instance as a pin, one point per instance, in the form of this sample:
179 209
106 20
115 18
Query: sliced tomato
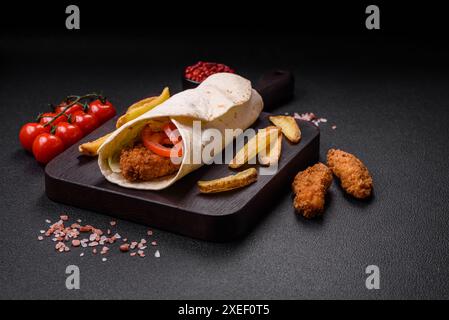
153 141
172 132
166 141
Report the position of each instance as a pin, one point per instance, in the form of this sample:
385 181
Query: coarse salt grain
311 117
124 247
61 234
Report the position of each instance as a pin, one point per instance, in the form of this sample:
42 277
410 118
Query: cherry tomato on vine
48 116
102 111
47 146
29 132
69 133
86 122
71 110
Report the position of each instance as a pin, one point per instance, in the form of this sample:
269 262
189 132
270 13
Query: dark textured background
388 96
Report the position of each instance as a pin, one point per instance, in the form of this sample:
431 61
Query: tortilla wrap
222 101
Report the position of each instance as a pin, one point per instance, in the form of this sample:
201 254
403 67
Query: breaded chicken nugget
310 187
354 176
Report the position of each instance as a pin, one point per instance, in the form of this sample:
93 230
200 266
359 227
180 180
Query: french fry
135 110
140 103
141 107
227 183
289 127
252 148
273 150
91 148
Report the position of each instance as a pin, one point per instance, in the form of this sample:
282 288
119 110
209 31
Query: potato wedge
289 127
227 183
252 148
140 107
273 150
91 148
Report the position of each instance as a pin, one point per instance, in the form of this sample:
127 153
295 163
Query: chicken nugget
354 176
310 187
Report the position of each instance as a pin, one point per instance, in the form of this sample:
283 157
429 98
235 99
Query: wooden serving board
76 180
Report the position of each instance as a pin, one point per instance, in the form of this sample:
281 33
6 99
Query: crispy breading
354 176
140 164
310 187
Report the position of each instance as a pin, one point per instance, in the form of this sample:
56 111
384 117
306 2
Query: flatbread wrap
223 101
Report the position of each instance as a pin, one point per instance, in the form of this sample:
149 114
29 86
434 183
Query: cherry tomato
29 132
47 146
152 141
102 111
69 133
86 122
76 107
48 116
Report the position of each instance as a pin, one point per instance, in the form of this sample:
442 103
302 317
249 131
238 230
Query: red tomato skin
48 116
102 111
86 122
152 141
172 132
47 146
68 133
29 132
71 110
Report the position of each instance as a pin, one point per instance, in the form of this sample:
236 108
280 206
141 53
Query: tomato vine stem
73 100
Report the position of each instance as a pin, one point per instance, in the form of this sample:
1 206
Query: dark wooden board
76 180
